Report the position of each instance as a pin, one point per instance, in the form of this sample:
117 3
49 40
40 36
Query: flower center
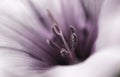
66 52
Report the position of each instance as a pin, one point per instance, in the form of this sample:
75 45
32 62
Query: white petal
109 24
105 63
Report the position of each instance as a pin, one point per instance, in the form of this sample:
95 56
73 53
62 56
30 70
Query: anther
56 30
73 38
73 41
64 52
53 44
72 29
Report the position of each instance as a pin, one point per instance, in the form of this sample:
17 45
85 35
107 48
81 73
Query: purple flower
62 36
70 35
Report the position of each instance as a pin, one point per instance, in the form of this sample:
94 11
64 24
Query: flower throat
68 53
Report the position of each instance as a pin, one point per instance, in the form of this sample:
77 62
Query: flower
72 34
49 37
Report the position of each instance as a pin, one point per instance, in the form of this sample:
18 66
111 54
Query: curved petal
109 25
20 27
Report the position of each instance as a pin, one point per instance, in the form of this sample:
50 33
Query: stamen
72 29
73 42
73 38
65 52
56 30
54 22
53 44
